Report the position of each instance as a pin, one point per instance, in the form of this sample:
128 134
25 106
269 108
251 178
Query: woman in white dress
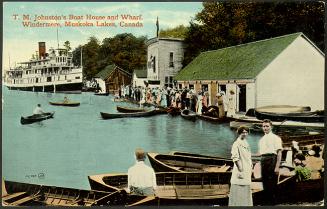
240 190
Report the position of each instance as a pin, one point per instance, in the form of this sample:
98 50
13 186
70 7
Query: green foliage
67 46
177 32
224 24
124 50
302 173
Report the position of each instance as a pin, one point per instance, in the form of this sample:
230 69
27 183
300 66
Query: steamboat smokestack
41 50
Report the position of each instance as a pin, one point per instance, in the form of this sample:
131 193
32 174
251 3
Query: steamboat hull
58 88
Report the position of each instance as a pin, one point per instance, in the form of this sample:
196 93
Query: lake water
76 143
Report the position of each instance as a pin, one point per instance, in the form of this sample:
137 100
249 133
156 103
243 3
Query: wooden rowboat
67 104
173 188
129 109
283 109
36 118
25 194
173 111
214 119
188 115
101 94
128 115
184 163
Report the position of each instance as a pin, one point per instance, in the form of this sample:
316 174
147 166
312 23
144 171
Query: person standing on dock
141 178
240 190
270 149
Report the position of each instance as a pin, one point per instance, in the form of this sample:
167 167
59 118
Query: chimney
41 50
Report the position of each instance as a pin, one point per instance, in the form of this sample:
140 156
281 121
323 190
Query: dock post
43 89
54 88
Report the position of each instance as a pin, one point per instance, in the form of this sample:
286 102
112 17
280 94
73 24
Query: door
242 98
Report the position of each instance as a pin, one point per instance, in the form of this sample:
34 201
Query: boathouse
111 78
285 70
164 60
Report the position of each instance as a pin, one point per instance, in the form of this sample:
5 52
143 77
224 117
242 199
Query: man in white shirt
38 110
141 178
270 149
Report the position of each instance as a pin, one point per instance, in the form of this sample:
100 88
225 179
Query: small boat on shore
184 163
129 109
188 115
283 109
173 188
67 104
26 194
128 115
36 118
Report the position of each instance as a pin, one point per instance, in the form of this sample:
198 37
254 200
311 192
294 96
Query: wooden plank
24 200
11 196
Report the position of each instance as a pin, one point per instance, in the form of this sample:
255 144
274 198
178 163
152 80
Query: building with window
285 70
164 60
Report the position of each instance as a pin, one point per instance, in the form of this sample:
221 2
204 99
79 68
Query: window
48 79
77 77
171 59
154 64
191 86
166 79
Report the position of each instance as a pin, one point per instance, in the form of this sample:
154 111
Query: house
139 77
165 57
111 78
285 70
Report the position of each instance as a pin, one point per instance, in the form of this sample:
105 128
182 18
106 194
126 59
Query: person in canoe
141 177
38 110
240 190
65 100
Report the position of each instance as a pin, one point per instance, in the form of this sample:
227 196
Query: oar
144 200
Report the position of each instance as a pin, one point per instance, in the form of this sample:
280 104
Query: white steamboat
48 72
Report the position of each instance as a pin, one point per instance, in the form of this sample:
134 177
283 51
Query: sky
19 42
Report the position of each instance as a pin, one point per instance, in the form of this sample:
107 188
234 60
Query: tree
224 24
67 46
176 32
90 57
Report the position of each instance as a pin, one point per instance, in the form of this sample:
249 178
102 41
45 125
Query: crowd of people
181 98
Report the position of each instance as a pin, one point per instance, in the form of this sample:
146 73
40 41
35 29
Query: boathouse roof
105 73
243 61
141 73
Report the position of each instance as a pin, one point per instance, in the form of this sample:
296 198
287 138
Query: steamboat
46 72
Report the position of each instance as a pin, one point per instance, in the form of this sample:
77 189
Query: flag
157 24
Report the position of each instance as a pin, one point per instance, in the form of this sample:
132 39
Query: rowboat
36 118
173 111
129 109
128 115
173 188
26 194
188 115
184 163
67 104
214 119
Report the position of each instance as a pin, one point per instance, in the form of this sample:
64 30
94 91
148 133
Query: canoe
67 104
214 119
283 109
188 115
308 117
183 163
36 118
26 194
188 154
173 188
129 109
102 94
128 115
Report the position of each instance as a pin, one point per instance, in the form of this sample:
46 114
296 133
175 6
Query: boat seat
24 200
222 168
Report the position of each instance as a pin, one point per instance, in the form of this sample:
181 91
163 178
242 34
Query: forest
217 25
